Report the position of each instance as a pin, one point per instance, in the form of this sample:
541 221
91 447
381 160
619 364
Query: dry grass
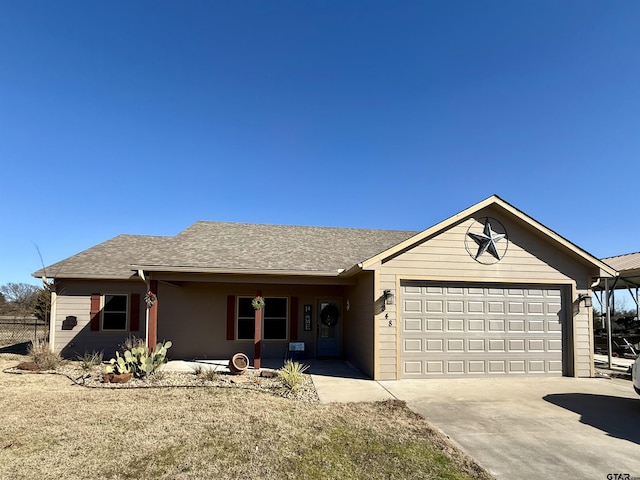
51 429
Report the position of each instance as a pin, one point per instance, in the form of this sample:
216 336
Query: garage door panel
434 345
517 366
476 366
455 325
434 367
455 291
554 345
498 366
475 307
409 290
434 306
497 345
535 308
455 367
516 325
535 326
534 293
495 307
412 367
430 290
515 308
435 325
482 331
411 306
412 345
412 325
496 325
455 306
555 366
475 325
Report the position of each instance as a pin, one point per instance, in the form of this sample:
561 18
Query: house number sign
307 318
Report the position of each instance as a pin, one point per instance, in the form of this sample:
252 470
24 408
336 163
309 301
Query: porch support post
257 334
152 324
256 338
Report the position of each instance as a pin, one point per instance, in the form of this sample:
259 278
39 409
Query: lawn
51 428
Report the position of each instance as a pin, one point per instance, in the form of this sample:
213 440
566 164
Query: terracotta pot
116 377
238 364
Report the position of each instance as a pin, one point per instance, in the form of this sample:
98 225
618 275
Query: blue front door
329 323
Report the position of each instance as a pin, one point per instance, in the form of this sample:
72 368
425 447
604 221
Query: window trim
287 319
126 312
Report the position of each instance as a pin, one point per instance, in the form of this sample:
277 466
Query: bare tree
20 298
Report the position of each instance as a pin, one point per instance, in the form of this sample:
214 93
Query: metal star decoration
487 240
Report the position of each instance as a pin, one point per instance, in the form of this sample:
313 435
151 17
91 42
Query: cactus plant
139 361
118 365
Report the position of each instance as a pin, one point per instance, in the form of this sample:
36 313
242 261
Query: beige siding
529 259
387 330
194 317
583 340
73 298
190 314
358 325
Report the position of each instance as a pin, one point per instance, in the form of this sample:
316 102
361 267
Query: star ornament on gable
487 241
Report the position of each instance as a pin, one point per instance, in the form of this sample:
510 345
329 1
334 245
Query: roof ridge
140 236
215 222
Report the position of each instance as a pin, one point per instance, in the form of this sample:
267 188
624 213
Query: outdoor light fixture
388 297
583 297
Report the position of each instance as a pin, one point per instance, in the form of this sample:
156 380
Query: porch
334 380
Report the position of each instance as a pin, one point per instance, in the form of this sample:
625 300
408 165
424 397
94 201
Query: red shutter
231 317
95 312
293 321
134 313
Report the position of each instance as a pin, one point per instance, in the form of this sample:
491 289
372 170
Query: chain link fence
17 333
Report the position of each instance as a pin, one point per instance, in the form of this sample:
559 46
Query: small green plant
139 361
292 374
41 354
90 360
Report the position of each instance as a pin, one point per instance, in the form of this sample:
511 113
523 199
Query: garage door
450 330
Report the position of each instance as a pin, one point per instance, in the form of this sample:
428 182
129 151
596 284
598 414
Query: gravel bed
264 380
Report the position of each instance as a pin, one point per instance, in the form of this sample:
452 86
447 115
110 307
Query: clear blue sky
143 117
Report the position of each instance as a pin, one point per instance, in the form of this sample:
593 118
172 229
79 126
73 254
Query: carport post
606 288
635 299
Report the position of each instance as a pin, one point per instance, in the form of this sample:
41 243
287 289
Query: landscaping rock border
265 380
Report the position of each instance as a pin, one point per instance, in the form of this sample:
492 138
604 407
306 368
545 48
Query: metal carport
628 268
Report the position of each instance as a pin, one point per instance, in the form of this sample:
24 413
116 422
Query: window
274 319
114 312
246 319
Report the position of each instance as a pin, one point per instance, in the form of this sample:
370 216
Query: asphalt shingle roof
232 247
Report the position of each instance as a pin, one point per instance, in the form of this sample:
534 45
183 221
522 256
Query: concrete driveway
533 428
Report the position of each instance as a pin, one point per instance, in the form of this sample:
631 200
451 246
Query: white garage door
450 330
